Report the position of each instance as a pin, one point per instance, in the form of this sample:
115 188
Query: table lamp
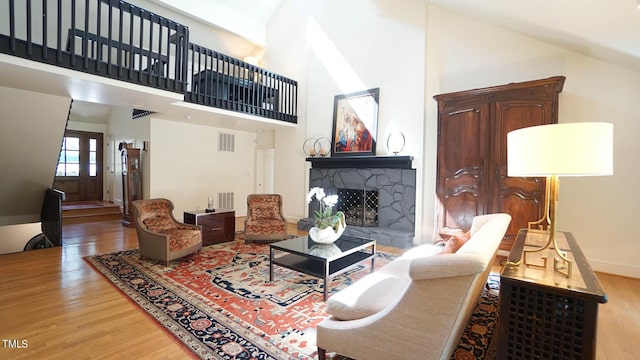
568 149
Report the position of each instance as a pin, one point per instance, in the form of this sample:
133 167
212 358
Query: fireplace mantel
362 162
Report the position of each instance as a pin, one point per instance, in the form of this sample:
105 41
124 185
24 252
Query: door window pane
72 169
73 157
69 161
72 143
92 170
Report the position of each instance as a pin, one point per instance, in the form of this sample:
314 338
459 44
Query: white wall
466 54
13 238
186 166
342 47
286 54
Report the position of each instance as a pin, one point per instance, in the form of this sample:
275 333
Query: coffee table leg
270 264
373 258
326 280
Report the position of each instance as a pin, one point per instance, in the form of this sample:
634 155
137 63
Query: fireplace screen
360 207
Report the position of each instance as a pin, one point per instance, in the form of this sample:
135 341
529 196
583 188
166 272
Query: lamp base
561 263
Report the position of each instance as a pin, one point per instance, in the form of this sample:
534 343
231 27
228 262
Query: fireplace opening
360 207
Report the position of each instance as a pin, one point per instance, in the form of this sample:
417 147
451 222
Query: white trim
616 269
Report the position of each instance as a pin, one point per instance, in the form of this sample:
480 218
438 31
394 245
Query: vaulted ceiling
604 29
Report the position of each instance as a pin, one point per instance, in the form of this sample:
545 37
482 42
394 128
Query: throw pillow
455 242
366 297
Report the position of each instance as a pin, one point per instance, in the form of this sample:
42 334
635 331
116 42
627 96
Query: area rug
220 305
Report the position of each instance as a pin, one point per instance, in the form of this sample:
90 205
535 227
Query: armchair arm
152 244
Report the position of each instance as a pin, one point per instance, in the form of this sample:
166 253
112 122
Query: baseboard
293 219
616 269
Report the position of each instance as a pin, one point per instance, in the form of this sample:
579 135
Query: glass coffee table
323 261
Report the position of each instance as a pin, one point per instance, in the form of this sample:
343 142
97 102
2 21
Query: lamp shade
569 149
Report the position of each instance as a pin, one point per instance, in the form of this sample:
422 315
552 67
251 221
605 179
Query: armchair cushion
159 223
180 239
266 211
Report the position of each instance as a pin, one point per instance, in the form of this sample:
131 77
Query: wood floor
54 306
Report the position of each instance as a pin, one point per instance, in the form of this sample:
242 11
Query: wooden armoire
472 153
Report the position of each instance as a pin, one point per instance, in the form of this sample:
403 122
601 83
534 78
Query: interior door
265 171
79 171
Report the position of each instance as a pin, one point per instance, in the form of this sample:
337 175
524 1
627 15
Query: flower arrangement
325 217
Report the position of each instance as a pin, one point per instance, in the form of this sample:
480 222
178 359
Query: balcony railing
224 82
121 41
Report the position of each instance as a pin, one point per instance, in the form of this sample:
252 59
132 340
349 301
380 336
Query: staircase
89 211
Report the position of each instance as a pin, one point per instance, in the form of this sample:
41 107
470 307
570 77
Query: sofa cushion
367 296
400 266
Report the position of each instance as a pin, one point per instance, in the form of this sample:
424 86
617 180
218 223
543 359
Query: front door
79 171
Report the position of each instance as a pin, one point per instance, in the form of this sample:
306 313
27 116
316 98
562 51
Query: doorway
79 171
265 170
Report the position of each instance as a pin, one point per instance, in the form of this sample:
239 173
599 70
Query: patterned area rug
220 305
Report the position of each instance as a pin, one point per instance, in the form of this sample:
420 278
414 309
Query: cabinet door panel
462 155
521 197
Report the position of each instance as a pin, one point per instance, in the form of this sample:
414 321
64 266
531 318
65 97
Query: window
92 157
69 162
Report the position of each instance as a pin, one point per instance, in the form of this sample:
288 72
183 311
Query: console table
217 227
543 314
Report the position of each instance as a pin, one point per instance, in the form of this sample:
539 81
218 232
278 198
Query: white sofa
418 305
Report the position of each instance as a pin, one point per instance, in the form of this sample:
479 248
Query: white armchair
417 306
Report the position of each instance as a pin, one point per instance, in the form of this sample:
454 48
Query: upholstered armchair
264 221
160 235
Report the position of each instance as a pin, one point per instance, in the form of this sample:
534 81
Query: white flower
311 193
324 216
331 200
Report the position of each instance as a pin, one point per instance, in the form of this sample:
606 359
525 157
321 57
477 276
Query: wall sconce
395 142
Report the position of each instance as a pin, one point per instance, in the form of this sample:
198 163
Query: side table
217 227
543 314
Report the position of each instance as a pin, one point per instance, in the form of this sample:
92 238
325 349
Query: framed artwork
355 123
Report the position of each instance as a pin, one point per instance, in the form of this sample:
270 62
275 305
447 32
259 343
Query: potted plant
329 226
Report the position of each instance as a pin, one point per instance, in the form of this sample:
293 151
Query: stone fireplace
390 178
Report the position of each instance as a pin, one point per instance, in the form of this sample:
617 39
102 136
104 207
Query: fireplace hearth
360 207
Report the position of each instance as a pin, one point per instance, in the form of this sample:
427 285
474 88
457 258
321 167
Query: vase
328 235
